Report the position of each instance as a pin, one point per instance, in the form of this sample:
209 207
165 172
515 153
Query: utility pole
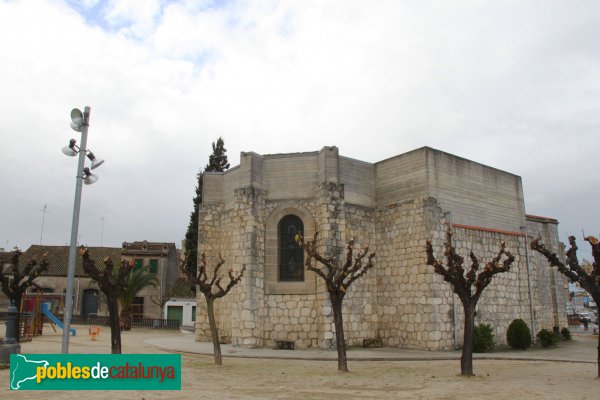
80 122
44 211
102 230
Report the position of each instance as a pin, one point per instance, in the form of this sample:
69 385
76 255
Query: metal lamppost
9 344
80 123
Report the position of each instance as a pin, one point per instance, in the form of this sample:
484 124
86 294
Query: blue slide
53 318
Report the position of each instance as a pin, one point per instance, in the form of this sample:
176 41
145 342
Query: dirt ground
241 378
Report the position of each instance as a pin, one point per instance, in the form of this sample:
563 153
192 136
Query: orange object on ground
94 331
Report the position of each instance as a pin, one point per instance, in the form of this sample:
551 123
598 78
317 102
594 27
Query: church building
251 213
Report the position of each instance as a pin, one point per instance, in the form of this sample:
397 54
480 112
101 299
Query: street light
79 122
72 150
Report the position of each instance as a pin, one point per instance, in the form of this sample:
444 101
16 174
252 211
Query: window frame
153 266
272 284
138 263
135 306
283 233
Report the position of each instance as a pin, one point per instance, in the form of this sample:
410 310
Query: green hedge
565 334
483 339
518 335
546 338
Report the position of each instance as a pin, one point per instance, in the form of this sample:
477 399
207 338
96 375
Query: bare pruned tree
21 280
160 301
468 287
112 283
209 283
338 279
575 272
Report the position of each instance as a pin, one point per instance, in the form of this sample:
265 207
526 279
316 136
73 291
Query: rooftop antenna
102 230
44 211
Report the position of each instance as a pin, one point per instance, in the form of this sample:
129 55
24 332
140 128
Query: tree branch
595 274
454 272
337 279
553 259
211 289
233 280
311 251
21 279
361 269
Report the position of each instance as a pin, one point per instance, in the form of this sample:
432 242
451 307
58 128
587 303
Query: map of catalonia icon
24 370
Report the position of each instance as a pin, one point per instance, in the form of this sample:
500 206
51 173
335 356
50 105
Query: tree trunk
466 360
125 319
213 330
115 328
596 297
336 305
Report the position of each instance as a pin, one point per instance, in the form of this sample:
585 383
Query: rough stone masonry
392 206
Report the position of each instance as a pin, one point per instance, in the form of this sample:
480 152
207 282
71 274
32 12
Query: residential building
160 258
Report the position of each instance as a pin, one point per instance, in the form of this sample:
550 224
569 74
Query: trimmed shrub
483 339
546 338
518 335
557 337
565 334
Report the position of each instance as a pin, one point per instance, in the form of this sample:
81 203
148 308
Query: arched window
291 256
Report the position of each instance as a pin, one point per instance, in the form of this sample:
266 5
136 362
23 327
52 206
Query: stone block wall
361 319
248 241
506 298
549 285
214 238
292 318
250 317
413 305
401 301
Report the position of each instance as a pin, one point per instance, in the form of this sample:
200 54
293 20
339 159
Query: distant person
585 321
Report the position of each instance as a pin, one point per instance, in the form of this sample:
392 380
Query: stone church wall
385 206
289 314
413 310
506 298
475 193
548 285
215 238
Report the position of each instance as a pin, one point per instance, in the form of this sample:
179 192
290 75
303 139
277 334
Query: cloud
132 17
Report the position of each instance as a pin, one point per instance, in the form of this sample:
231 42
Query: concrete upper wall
358 178
401 178
290 176
212 187
474 193
283 176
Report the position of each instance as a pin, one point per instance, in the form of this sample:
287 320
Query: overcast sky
511 84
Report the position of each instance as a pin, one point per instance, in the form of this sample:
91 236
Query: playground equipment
34 308
94 332
53 318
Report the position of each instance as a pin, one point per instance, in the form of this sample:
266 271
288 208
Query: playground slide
53 318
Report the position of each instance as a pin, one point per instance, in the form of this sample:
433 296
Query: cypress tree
217 162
